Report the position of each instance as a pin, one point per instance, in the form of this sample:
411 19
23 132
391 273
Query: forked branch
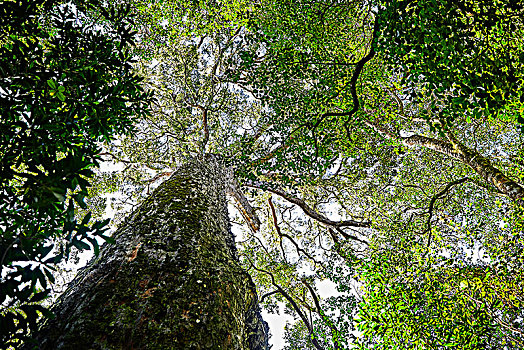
306 208
280 234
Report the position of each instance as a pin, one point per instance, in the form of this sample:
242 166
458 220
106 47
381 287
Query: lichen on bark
172 280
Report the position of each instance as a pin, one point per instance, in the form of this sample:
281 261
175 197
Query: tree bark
172 280
487 171
455 149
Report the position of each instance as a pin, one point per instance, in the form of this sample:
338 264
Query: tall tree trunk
171 281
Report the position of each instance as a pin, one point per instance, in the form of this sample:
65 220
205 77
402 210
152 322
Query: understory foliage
66 85
379 144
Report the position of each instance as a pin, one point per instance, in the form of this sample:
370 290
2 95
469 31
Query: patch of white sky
154 63
334 168
163 23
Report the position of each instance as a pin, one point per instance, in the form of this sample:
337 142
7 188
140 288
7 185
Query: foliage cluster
66 85
470 55
403 113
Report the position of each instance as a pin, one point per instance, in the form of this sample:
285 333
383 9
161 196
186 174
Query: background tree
66 84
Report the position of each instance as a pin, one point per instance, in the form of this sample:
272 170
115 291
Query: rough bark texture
487 171
171 281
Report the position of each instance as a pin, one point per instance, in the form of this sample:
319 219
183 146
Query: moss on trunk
171 281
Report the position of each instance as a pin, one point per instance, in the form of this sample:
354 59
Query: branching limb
434 199
277 228
359 66
455 149
306 208
482 166
158 176
349 237
280 234
115 157
268 294
332 327
279 149
297 309
437 145
354 78
248 212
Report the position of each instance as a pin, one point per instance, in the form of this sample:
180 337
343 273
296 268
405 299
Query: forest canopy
378 147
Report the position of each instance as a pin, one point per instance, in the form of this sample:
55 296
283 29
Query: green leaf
95 245
52 84
80 245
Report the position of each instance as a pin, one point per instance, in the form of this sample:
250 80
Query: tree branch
267 295
280 234
332 327
482 166
306 208
293 304
354 78
248 212
280 148
158 176
434 199
455 149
